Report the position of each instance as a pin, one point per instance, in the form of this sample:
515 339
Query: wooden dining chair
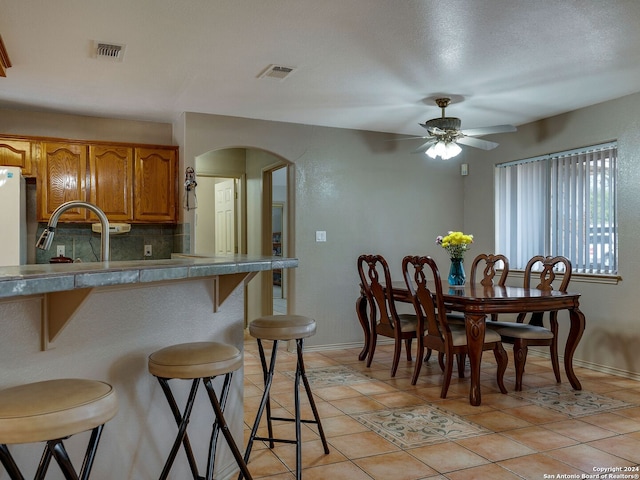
523 333
384 319
489 262
422 278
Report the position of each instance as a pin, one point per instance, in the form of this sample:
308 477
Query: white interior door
225 217
205 216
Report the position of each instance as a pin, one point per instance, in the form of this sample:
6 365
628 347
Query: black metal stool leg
90 454
61 456
43 466
221 425
182 421
266 373
296 396
268 379
215 429
312 402
9 464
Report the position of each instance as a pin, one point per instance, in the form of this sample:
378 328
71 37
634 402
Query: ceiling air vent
108 51
277 72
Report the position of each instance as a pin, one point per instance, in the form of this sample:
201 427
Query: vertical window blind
560 204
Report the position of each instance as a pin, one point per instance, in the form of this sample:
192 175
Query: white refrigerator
13 223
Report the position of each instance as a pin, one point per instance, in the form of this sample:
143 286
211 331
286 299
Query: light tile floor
384 428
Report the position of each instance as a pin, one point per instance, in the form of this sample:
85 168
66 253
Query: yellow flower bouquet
455 243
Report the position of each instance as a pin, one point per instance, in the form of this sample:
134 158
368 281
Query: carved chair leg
554 359
396 357
501 359
372 347
407 344
441 361
520 350
418 365
448 370
462 361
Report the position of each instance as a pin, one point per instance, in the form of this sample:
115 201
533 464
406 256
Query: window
560 204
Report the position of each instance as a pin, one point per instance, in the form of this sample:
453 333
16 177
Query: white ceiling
362 64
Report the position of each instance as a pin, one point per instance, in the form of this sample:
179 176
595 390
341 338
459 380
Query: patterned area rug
418 426
321 377
575 403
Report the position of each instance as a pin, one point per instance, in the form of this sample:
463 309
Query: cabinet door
16 153
155 185
61 178
111 170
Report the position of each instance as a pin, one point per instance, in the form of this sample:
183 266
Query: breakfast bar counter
102 320
47 278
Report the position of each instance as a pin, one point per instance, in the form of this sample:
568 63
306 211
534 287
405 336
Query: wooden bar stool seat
51 411
277 328
199 362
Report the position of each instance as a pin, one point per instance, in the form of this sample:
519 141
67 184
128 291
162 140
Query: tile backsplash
82 244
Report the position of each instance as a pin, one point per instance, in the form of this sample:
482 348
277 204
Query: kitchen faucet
46 239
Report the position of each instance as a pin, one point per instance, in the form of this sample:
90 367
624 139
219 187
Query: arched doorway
250 172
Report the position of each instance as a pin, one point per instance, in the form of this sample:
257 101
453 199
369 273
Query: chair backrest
426 301
375 277
548 274
489 272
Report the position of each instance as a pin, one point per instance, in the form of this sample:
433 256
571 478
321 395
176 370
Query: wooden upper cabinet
111 172
155 185
17 153
62 177
130 183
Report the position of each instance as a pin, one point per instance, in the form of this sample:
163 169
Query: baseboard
543 353
618 372
343 346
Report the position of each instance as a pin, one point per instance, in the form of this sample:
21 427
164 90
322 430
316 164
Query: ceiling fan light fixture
444 150
452 149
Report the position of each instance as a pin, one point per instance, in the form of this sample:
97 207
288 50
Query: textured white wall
110 339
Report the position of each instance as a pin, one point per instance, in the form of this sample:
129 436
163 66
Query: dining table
477 303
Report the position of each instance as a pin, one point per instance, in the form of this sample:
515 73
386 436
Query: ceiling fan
445 135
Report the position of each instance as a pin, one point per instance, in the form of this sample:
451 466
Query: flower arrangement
455 243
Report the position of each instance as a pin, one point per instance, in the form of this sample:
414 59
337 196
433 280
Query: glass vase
457 276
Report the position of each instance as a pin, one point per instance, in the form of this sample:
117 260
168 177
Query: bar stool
198 361
51 411
276 328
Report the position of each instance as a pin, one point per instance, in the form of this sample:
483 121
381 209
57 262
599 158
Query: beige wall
230 162
611 336
367 192
22 122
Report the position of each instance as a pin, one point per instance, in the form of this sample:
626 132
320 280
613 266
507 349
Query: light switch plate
60 250
148 251
321 236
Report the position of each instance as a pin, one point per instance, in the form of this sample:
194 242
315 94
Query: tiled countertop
46 278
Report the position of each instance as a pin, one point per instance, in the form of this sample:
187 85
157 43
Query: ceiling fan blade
424 147
477 143
411 138
478 132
